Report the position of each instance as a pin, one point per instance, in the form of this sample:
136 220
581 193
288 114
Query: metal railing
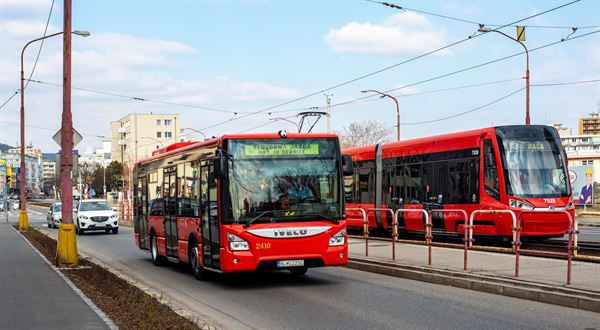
365 227
572 231
467 228
394 227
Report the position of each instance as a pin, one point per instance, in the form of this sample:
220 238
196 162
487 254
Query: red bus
509 168
244 203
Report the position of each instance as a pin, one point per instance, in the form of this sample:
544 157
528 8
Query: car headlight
114 216
83 217
520 205
338 239
237 243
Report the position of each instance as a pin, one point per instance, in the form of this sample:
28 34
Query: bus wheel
156 258
298 271
199 273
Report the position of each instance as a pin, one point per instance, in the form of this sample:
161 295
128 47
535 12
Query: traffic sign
76 137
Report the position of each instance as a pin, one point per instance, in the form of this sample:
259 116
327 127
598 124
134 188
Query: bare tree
364 133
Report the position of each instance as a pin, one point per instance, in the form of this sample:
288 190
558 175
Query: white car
54 216
95 214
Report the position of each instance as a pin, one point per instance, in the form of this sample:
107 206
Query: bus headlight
236 243
520 205
338 239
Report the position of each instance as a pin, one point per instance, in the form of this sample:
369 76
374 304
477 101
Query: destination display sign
273 149
529 146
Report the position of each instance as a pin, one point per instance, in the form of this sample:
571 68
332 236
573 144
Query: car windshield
95 206
282 180
57 208
533 162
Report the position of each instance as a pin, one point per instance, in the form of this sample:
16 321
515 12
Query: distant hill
49 156
5 147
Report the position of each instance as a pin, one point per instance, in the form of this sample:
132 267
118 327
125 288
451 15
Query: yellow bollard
66 252
23 224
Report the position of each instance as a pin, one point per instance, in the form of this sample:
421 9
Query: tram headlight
237 243
338 239
570 204
519 204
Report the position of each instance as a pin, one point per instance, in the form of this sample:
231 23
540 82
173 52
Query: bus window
491 183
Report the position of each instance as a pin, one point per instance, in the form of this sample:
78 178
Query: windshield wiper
322 216
251 221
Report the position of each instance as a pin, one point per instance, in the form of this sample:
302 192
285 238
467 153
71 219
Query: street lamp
289 121
194 130
397 108
483 29
23 224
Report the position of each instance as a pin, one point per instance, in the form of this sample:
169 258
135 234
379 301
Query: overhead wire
391 5
461 70
388 67
36 59
137 98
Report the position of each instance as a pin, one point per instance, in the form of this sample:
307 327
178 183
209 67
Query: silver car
54 216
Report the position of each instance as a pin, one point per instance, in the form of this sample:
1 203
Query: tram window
412 178
366 185
349 188
491 183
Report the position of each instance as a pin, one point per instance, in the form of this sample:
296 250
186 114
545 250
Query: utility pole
328 99
66 254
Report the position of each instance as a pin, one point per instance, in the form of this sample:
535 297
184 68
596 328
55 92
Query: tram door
170 199
141 219
211 245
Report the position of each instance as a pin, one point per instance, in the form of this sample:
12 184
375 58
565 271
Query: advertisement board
582 182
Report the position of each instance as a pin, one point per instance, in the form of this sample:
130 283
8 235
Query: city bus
244 202
499 168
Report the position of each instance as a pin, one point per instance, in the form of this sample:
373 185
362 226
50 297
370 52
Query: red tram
244 203
509 168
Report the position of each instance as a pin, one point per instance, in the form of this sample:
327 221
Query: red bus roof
180 147
449 141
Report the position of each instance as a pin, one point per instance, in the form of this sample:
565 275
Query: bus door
211 245
141 220
170 221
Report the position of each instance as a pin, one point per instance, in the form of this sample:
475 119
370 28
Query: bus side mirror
347 166
220 166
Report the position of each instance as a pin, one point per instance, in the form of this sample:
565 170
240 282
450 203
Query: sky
234 66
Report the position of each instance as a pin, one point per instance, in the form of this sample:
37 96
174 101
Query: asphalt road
326 298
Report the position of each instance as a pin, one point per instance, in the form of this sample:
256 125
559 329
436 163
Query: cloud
404 33
122 64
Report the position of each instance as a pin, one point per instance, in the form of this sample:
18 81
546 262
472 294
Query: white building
136 136
583 150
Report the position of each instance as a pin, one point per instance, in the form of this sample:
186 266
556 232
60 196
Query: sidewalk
585 275
33 295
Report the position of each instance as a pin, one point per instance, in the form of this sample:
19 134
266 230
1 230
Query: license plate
290 263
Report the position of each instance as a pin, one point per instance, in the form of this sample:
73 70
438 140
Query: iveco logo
289 232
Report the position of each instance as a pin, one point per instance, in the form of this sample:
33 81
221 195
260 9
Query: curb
179 309
562 296
111 325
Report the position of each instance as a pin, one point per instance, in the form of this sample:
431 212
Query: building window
158 135
587 162
168 134
158 122
168 122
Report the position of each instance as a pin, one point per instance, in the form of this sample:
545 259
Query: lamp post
397 108
194 130
485 30
23 223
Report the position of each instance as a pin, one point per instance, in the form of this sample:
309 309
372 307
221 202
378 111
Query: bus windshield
533 162
282 180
